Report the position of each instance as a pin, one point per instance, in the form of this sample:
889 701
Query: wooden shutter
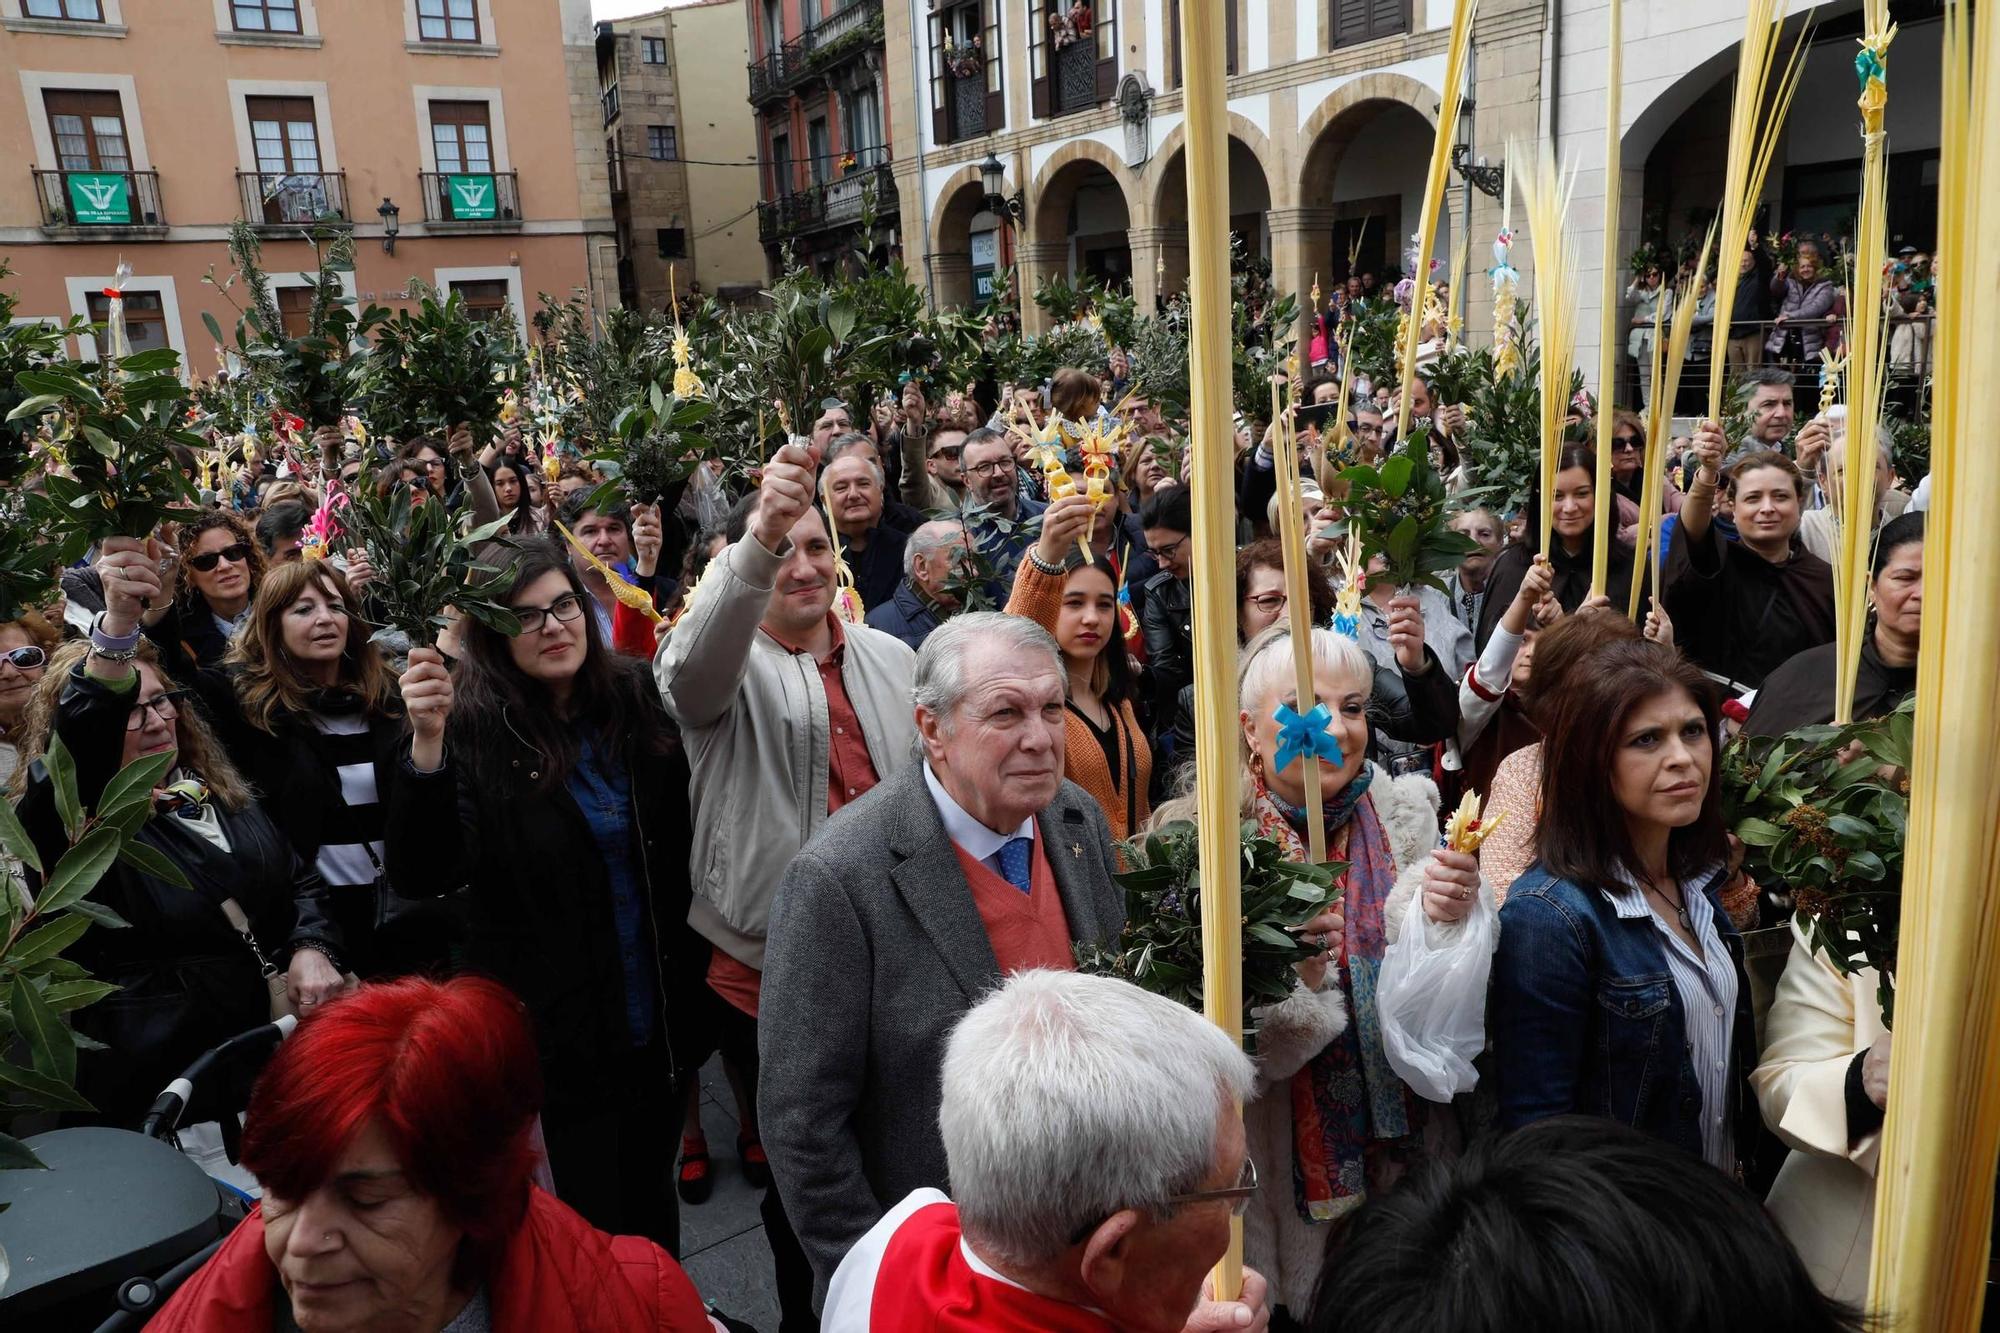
1105 35
1038 56
90 136
1365 20
1229 27
1174 39
940 28
996 87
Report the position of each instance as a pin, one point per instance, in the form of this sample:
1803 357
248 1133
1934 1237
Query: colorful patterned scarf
1352 1118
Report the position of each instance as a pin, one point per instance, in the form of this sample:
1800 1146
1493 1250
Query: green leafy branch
1161 947
424 562
1403 513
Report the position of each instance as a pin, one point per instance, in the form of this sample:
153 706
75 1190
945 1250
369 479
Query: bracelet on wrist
113 647
1054 571
322 949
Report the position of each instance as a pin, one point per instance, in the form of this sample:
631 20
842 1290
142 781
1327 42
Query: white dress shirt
979 842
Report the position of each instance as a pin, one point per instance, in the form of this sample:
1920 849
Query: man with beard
992 478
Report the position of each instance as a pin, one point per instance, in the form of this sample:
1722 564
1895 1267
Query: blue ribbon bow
1303 735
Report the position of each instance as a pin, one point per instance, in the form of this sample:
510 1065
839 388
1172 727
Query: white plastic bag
1431 997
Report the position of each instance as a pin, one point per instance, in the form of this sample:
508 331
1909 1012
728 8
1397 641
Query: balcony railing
852 28
294 198
472 200
837 203
91 202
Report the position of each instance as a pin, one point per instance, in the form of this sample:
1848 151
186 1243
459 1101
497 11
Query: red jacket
556 1274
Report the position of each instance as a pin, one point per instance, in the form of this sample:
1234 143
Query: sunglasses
25 658
235 553
1621 444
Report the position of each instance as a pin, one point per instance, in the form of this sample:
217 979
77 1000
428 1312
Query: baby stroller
121 1219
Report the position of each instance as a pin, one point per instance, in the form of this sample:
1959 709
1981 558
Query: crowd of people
522 887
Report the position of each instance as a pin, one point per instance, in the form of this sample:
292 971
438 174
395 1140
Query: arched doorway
1249 197
968 243
1080 207
1366 169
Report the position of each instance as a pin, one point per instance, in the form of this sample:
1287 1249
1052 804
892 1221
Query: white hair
1266 670
928 538
939 683
1068 1098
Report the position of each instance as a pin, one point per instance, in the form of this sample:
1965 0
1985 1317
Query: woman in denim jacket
1618 986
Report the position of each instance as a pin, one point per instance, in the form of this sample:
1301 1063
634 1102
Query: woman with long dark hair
561 804
308 707
1573 514
1106 752
509 478
1618 985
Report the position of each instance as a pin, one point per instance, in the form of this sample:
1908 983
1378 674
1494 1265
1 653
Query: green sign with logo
473 198
97 197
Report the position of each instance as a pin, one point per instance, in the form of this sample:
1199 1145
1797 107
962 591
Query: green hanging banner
97 198
473 198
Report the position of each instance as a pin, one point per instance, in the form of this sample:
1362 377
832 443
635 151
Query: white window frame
14 17
496 120
227 33
79 291
240 93
444 277
414 41
35 82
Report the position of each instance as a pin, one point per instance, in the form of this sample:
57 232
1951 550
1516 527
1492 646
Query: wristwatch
112 647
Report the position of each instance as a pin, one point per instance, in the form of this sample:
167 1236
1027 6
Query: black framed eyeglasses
167 706
1366 431
1267 602
1165 553
235 553
566 609
994 468
25 658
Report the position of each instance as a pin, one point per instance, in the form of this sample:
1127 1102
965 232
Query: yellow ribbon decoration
638 599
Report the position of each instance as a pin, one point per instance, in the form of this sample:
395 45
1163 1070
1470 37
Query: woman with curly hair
25 644
220 565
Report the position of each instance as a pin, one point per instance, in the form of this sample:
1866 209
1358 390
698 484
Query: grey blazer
875 952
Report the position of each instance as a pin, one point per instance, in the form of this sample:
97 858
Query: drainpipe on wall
918 84
1552 74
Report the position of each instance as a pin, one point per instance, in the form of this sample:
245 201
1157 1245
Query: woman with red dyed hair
392 1138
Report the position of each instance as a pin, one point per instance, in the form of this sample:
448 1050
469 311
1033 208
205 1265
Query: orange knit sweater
1038 597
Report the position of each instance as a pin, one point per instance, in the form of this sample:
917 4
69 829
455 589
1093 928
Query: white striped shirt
1706 985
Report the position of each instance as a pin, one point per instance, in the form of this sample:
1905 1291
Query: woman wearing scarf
1332 1122
1800 692
189 975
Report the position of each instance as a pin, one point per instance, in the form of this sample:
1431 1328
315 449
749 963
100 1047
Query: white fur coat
1277 1242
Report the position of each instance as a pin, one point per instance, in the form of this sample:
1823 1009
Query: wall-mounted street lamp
993 177
1488 180
388 212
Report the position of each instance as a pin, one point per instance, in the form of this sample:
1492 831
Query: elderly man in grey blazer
897 917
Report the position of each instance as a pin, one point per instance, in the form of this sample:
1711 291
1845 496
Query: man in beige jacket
788 714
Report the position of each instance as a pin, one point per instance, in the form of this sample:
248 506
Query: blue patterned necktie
1014 858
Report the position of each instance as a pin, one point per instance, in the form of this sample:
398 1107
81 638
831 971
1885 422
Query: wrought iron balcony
471 200
93 204
293 198
851 29
837 203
